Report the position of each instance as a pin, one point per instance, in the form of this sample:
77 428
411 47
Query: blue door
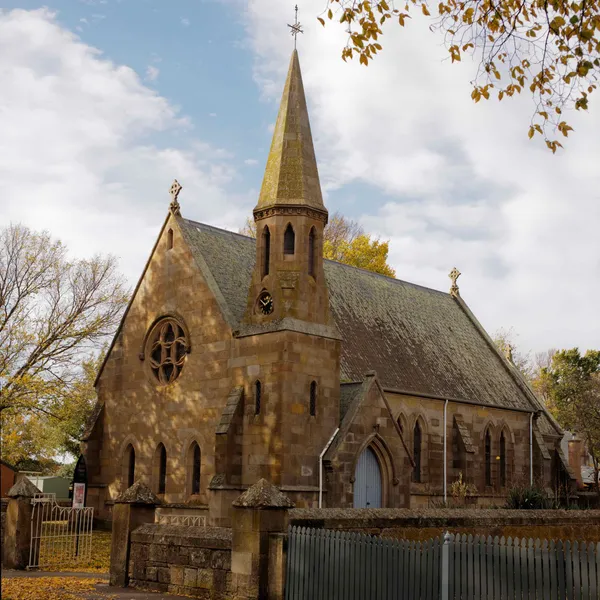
367 481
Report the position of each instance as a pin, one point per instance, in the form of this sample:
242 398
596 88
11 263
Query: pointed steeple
291 176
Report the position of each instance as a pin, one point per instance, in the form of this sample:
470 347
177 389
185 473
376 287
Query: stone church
238 359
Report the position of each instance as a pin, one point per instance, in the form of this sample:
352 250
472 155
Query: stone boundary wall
192 561
427 523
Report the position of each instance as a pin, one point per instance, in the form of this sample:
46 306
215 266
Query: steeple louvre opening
266 251
289 240
311 252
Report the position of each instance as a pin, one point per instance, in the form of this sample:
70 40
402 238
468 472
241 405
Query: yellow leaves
553 145
556 24
550 50
49 588
564 128
468 15
360 252
481 92
454 53
533 129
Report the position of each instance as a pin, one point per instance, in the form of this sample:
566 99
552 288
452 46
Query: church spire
291 176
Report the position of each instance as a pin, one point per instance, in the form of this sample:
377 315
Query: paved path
103 590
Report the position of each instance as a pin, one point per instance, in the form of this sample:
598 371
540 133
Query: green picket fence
336 565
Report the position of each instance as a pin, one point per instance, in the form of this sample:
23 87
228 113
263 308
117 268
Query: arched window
193 468
313 399
129 464
311 252
488 458
257 397
417 444
502 460
289 240
169 239
266 235
162 468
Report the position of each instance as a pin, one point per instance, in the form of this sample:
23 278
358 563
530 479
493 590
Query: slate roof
415 338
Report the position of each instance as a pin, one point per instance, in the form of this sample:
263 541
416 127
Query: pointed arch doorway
367 481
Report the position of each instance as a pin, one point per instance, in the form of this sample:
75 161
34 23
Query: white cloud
463 183
76 150
185 22
152 73
251 162
212 114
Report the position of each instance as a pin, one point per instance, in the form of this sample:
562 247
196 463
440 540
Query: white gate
367 481
59 535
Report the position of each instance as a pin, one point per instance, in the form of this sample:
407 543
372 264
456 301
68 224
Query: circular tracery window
167 348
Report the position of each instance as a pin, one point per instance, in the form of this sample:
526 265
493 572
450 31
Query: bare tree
53 310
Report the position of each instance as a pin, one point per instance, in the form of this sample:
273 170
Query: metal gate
59 534
367 481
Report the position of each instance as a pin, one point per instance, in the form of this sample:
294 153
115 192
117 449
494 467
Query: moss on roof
415 338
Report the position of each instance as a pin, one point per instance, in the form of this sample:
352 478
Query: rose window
167 348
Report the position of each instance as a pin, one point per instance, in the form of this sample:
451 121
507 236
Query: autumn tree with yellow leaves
55 314
548 48
345 241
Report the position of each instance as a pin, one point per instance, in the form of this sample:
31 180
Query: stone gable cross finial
296 27
454 275
174 191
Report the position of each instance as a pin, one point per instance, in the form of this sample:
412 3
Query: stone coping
356 518
183 505
182 535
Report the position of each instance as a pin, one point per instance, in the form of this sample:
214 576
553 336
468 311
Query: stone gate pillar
17 534
259 514
134 507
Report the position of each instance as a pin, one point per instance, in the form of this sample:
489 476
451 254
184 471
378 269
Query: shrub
527 497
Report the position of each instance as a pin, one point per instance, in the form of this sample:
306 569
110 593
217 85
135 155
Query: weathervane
296 27
454 275
174 191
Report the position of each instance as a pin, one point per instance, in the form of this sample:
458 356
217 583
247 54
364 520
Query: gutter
456 400
321 465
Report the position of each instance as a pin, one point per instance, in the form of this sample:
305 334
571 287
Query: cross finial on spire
174 191
454 275
296 27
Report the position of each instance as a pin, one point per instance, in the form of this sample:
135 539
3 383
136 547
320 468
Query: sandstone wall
191 561
425 524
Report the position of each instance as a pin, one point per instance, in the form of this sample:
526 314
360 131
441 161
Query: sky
104 102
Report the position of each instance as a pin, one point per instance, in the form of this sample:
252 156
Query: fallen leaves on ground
50 588
99 561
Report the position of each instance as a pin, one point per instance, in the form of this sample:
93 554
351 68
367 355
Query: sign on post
80 483
78 495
